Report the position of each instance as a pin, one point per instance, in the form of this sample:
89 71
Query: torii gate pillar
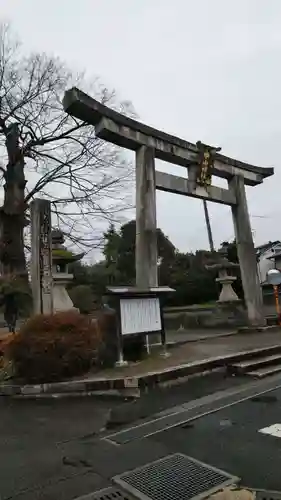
146 225
246 253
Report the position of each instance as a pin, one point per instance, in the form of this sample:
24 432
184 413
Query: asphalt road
35 439
54 450
230 439
237 430
42 442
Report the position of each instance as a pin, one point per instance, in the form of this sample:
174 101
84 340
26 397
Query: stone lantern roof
221 262
57 238
60 254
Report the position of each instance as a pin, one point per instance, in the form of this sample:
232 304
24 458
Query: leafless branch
86 179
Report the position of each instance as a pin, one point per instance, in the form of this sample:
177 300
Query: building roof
276 255
266 246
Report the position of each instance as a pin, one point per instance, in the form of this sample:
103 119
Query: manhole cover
107 494
174 477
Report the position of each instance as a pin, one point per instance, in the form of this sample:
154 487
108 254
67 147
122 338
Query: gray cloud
208 70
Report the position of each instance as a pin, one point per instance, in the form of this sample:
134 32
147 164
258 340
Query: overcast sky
206 70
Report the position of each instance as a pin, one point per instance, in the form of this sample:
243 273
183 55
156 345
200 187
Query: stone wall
215 316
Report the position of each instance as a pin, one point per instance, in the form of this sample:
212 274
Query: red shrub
6 340
53 347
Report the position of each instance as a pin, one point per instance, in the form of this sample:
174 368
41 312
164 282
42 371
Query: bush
20 289
82 298
53 347
5 342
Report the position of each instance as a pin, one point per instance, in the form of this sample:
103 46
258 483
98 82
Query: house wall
278 263
264 264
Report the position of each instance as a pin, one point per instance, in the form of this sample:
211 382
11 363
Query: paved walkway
195 351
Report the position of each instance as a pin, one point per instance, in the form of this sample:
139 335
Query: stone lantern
61 258
225 278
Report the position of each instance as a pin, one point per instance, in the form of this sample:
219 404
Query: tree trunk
12 213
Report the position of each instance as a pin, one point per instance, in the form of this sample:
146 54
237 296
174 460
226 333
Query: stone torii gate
201 163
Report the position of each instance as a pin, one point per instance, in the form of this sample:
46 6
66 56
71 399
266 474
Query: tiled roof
263 248
275 256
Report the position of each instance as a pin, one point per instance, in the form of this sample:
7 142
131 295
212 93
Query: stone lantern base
62 301
227 293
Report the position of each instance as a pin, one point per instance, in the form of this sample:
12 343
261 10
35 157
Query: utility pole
206 157
208 225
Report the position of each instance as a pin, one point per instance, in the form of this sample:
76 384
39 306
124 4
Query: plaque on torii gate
202 162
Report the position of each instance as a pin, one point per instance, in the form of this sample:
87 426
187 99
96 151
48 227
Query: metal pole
120 361
208 225
276 296
164 353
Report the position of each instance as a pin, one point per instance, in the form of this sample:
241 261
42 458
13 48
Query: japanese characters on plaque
206 157
140 315
45 253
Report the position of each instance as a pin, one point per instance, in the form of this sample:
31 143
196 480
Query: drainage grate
172 478
107 494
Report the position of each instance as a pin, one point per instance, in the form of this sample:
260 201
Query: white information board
140 315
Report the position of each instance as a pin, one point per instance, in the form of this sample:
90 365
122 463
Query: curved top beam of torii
131 134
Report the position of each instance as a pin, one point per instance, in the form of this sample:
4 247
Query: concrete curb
130 387
258 329
176 343
242 330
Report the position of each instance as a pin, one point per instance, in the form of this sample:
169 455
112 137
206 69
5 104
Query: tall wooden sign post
41 257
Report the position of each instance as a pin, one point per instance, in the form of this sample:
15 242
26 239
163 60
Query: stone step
264 372
244 366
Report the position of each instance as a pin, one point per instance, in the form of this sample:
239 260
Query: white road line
272 430
167 417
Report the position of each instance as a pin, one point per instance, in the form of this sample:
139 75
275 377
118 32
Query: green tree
96 276
231 250
119 252
125 262
111 252
185 272
111 243
83 298
191 280
81 274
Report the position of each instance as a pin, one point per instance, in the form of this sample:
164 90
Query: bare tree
46 151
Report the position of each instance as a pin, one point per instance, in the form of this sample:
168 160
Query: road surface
57 450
